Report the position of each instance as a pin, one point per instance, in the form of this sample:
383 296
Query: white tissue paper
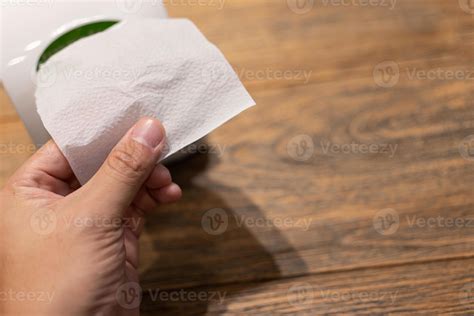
90 93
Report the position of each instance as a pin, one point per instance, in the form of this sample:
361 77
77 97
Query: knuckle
127 162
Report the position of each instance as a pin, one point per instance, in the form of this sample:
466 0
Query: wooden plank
251 176
437 288
7 111
270 45
15 144
340 194
288 218
262 38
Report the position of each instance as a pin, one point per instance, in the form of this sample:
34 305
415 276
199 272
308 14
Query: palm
109 255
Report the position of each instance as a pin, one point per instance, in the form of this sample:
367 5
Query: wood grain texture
332 181
338 194
438 288
15 144
331 41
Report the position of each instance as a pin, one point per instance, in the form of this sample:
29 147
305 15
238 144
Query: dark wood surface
332 231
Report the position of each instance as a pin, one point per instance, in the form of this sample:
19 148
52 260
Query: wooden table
348 189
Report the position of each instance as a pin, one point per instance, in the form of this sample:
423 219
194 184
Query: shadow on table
192 260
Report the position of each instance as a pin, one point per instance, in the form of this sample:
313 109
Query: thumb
112 189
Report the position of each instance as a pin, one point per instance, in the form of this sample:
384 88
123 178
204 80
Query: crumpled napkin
90 93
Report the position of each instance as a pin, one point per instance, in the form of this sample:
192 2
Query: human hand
76 247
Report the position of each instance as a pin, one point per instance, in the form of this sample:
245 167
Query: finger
148 200
131 248
160 177
125 170
144 201
134 220
168 194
